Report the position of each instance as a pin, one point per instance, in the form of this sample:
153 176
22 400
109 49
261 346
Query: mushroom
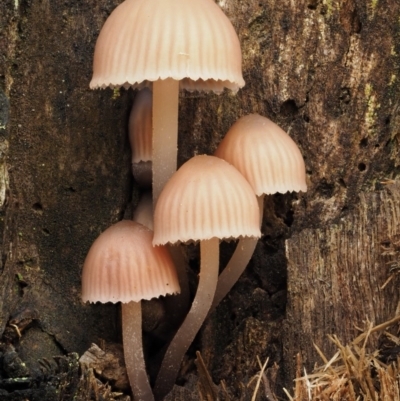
271 162
207 199
174 44
123 266
140 134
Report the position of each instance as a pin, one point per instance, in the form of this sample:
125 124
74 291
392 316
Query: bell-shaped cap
147 40
265 154
122 265
206 198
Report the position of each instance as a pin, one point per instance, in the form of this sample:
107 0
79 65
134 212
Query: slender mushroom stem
238 262
165 154
184 337
165 132
133 351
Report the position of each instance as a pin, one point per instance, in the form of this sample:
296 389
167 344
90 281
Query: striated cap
265 154
206 198
122 265
147 40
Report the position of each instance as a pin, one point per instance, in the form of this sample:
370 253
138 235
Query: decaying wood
336 275
107 364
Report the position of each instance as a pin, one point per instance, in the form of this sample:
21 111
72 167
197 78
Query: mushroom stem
238 262
165 132
133 351
201 305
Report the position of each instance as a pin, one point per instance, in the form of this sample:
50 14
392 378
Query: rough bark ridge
326 71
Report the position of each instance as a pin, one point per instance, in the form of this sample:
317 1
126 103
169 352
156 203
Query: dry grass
353 373
257 388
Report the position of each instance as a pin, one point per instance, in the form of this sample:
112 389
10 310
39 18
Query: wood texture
338 276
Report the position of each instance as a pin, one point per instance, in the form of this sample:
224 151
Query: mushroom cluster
165 46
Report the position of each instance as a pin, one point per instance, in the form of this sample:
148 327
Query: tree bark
326 71
339 277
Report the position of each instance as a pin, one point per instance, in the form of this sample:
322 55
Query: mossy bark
326 71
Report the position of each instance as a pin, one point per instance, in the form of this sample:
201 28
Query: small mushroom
206 200
271 162
175 44
123 266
